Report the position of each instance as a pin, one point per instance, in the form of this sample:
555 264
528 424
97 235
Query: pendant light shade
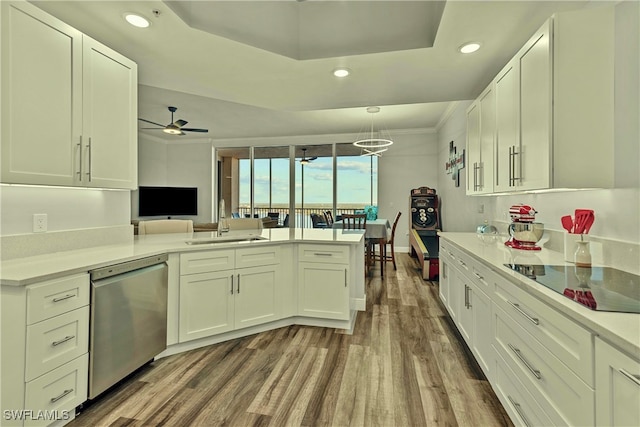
377 141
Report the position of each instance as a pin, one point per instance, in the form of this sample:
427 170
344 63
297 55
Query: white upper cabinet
110 100
554 108
481 123
69 105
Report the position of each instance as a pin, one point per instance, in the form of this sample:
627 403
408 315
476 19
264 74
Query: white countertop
28 270
621 329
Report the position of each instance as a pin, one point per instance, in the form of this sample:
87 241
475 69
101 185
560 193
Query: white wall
66 208
411 162
185 163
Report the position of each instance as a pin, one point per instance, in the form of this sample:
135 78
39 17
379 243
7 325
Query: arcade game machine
424 227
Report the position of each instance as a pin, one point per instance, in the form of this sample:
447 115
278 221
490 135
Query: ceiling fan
304 160
174 128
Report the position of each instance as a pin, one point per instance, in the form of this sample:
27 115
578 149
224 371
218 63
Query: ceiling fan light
172 130
137 20
304 162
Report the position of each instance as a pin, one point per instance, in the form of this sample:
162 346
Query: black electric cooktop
598 288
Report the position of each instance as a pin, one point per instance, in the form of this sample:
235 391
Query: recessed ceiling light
136 20
341 72
469 47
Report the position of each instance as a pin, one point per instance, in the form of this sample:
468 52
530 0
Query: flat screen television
167 201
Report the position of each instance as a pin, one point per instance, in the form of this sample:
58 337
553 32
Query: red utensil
567 223
589 222
581 217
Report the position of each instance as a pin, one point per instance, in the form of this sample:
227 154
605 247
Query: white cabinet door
617 387
456 290
507 145
257 299
206 304
473 148
482 331
534 61
487 137
443 280
41 97
110 101
323 290
465 309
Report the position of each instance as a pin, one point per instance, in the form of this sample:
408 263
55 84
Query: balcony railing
303 215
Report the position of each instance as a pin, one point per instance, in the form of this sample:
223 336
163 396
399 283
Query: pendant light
377 141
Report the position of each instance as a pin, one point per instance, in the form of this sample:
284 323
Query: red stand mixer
524 231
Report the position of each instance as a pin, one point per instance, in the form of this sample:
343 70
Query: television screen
167 201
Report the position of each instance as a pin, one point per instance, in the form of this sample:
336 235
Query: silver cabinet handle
63 394
533 320
518 409
517 352
322 254
345 277
468 296
63 298
478 276
89 166
633 378
80 159
465 297
238 287
516 157
232 284
65 339
476 169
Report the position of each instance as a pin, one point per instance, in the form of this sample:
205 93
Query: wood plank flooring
403 366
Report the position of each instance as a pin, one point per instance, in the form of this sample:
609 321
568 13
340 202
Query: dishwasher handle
125 267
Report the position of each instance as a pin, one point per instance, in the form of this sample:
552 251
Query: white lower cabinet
220 293
57 391
323 281
618 386
563 396
44 364
323 291
539 362
521 406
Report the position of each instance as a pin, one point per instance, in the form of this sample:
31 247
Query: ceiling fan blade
194 130
162 128
180 123
153 123
312 158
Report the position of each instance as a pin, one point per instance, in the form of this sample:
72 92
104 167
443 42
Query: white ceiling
235 72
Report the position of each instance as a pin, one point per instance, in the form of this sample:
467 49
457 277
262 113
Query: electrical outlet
39 223
481 208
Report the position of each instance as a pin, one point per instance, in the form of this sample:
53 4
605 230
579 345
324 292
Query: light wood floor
403 366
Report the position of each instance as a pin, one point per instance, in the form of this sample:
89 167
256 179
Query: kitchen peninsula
219 288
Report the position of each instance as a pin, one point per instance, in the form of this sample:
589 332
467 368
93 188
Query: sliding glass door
259 182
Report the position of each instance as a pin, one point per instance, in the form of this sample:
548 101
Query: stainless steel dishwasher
128 319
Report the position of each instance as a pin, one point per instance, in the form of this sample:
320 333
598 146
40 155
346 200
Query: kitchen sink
224 239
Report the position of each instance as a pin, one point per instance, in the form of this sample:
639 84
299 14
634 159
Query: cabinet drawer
56 341
60 390
208 261
564 397
54 297
332 254
515 398
255 257
568 341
